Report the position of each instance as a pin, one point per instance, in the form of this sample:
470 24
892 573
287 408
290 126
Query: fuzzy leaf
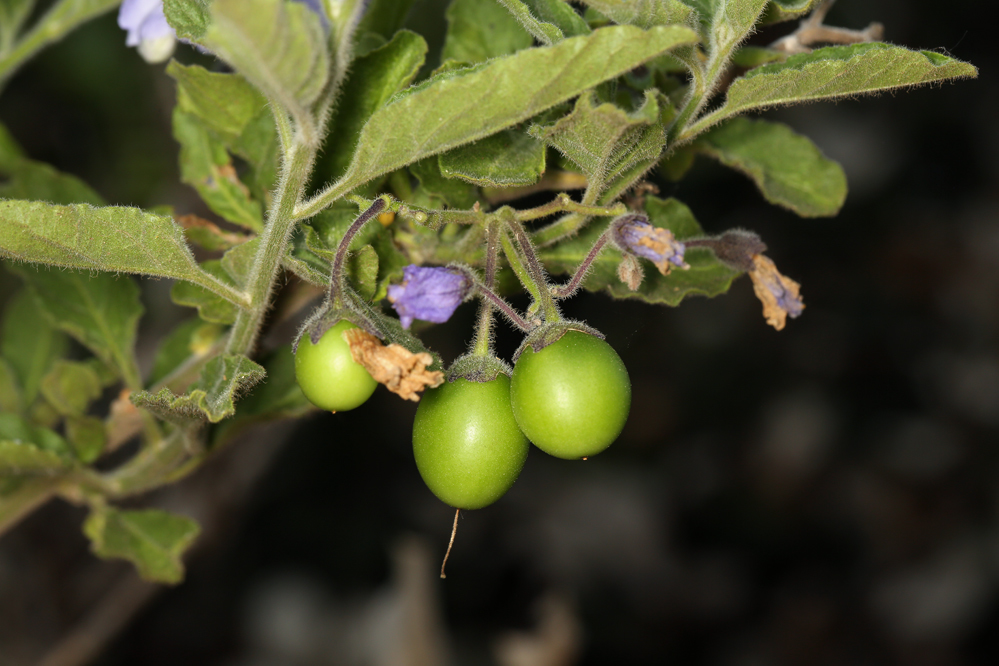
238 261
87 436
114 239
384 18
100 310
506 159
26 449
70 387
451 110
11 399
478 31
188 18
604 140
727 22
452 192
788 168
210 398
786 10
278 46
211 307
373 79
706 276
205 165
835 71
277 398
29 344
643 13
363 267
152 540
193 337
550 21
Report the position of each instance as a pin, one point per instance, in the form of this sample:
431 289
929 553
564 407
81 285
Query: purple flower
780 295
428 293
147 29
634 234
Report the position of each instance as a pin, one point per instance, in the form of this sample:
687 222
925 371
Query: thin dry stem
454 531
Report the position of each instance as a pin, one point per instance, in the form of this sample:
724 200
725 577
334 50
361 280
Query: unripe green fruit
572 398
327 373
466 442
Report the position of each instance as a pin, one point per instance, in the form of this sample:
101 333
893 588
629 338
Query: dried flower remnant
629 271
428 293
147 29
780 295
632 233
400 370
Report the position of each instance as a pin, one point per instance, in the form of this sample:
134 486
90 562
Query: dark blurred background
823 495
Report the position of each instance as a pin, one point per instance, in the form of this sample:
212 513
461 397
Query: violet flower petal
634 234
428 293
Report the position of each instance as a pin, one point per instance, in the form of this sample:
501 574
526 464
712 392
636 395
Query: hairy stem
484 326
336 274
535 270
569 288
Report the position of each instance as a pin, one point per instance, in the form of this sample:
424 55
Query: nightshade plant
330 163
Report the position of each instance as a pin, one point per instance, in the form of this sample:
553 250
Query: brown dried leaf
400 370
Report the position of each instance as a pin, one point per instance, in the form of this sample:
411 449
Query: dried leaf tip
400 370
780 295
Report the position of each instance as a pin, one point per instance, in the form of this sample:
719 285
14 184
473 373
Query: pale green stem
50 28
273 245
535 272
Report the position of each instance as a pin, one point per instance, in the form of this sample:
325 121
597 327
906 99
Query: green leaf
87 436
11 399
26 449
384 18
29 344
238 261
828 73
152 540
280 47
509 158
205 165
100 310
727 22
27 179
453 193
24 459
788 168
373 80
211 306
236 114
13 13
212 397
786 10
643 13
606 141
188 18
479 30
277 398
363 268
20 495
705 277
550 21
70 387
192 338
114 239
450 111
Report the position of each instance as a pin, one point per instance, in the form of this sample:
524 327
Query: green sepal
551 332
477 368
211 398
153 540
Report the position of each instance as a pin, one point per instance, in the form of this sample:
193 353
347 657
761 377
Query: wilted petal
400 370
428 293
780 295
634 234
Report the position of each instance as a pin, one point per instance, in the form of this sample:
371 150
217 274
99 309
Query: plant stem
273 244
336 274
535 271
569 288
62 19
563 203
484 326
